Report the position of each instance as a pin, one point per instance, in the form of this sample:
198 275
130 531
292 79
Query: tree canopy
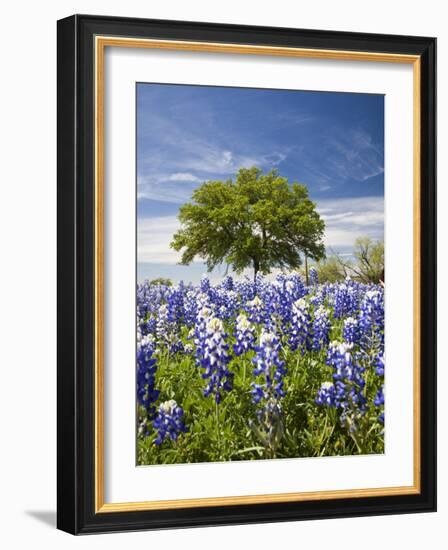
259 220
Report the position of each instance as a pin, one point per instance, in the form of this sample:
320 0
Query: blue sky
332 142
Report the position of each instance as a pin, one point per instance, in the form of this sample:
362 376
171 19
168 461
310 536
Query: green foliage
368 266
370 260
329 270
161 281
258 221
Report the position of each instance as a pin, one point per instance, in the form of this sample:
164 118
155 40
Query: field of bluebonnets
246 370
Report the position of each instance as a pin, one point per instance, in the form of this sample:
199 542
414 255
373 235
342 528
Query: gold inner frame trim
101 42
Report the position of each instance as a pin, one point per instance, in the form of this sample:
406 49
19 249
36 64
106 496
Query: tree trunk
256 267
306 270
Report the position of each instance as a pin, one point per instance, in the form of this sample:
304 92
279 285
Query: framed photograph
246 274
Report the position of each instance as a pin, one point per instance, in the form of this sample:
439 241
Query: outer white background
28 272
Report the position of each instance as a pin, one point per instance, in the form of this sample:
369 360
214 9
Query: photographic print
260 295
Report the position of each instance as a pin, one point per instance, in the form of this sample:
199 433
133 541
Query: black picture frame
76 286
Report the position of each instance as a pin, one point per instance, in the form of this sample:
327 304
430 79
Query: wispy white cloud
293 118
181 152
188 151
354 156
154 236
349 218
340 157
167 187
177 187
153 240
183 176
336 160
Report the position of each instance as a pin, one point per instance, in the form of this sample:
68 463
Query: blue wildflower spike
169 422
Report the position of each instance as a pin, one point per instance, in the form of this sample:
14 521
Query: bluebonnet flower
379 364
379 398
244 334
346 392
227 283
169 422
288 289
146 326
285 309
142 300
255 309
200 332
150 297
203 300
228 304
295 286
151 325
166 331
371 319
350 331
270 315
175 304
213 357
246 290
269 365
341 358
269 428
379 402
188 349
317 299
331 394
299 333
260 284
162 323
321 328
146 370
268 393
326 395
313 276
205 284
190 307
345 300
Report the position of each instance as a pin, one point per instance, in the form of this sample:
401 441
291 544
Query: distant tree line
161 281
366 265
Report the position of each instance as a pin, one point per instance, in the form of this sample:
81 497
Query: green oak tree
259 220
